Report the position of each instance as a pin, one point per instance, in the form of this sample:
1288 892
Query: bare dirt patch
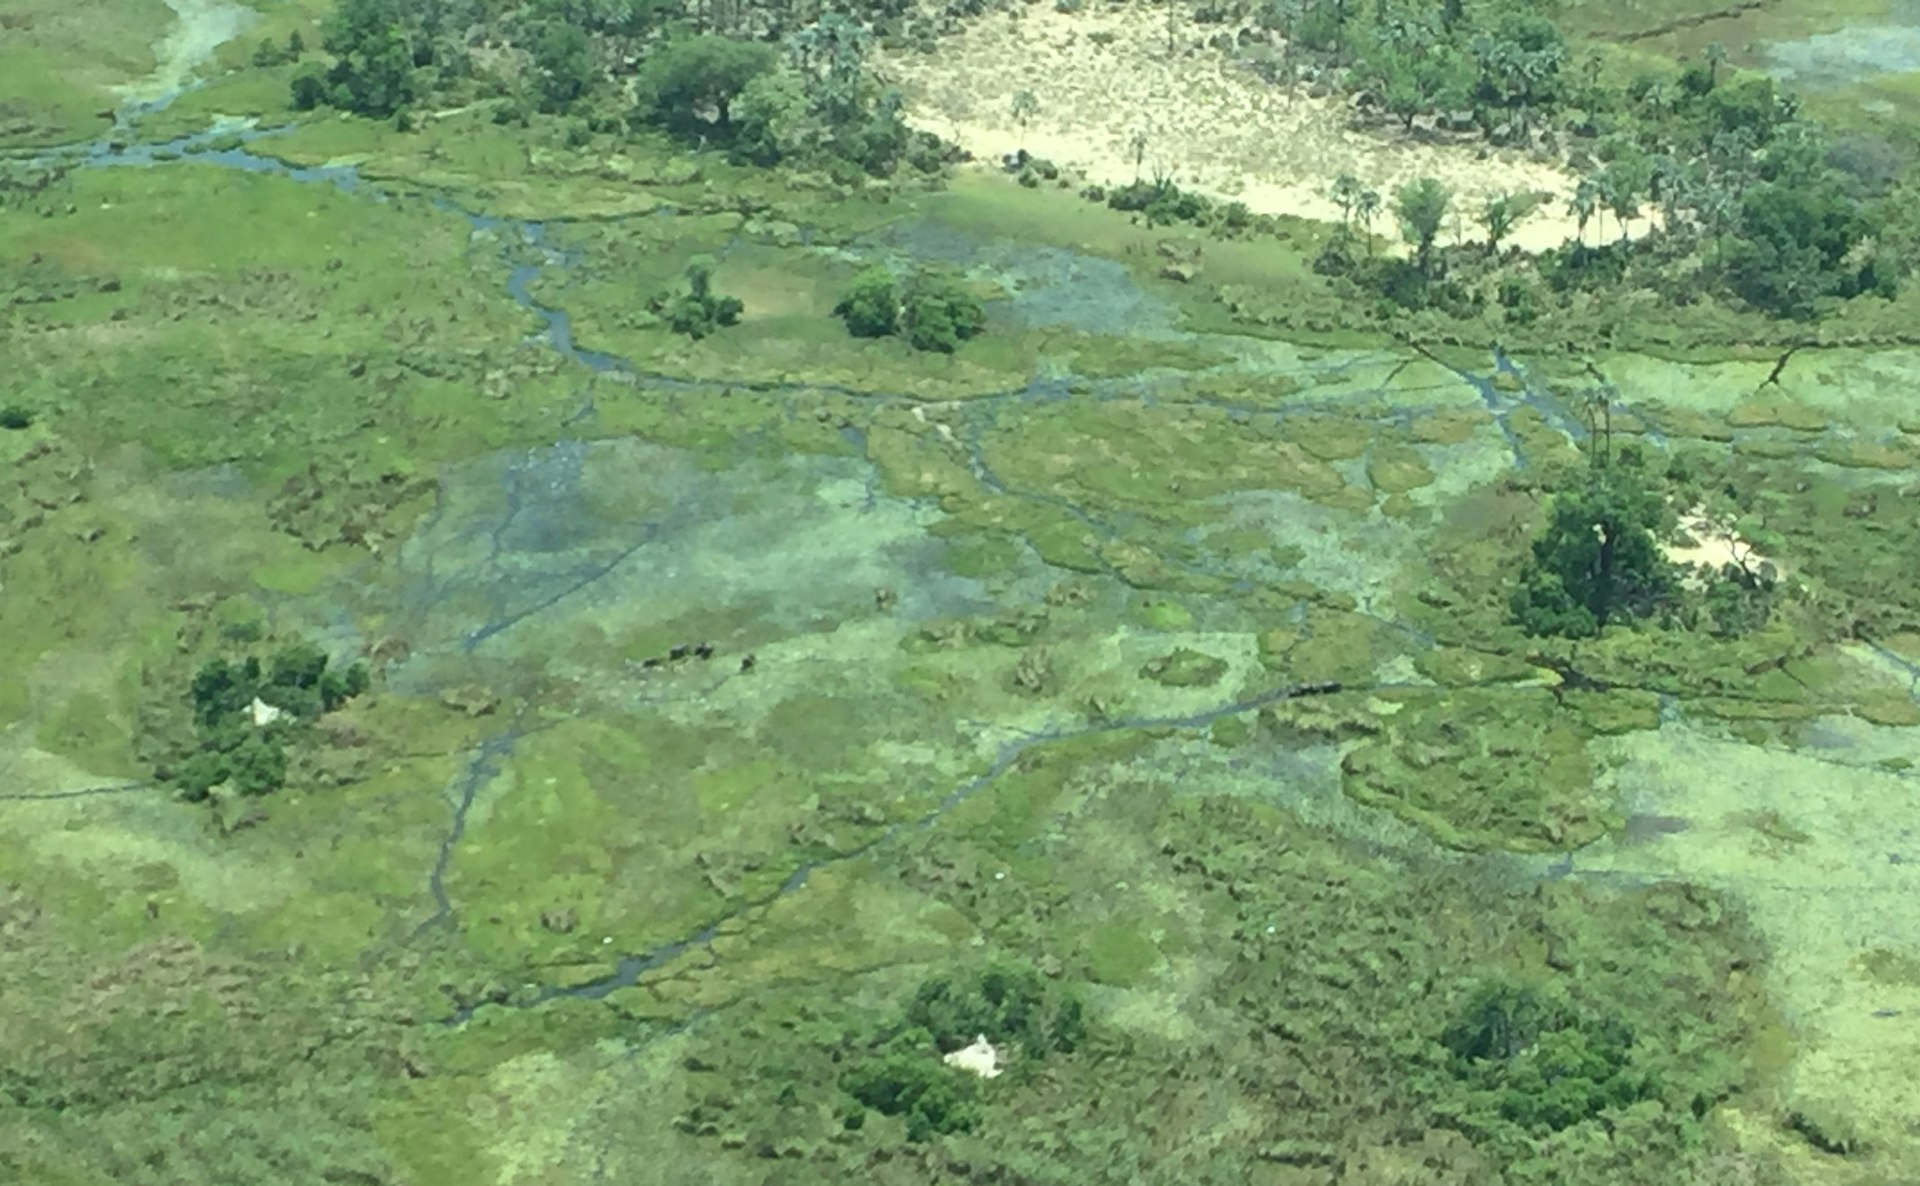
1102 77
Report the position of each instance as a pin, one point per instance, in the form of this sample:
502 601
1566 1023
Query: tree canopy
1598 559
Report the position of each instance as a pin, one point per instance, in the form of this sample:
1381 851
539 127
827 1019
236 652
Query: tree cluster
229 747
1011 1004
1530 1061
1735 190
932 311
768 86
697 311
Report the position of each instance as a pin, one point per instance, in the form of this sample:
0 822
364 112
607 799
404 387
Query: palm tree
1025 107
1715 53
1366 207
1346 195
1586 198
1657 98
1498 215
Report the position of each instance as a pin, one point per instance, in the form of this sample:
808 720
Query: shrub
937 314
908 1079
698 311
16 417
1006 1002
871 307
229 748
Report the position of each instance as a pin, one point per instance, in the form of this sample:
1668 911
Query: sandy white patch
1213 127
205 25
1715 545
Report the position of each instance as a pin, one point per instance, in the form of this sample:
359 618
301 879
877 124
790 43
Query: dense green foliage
373 67
1598 558
931 310
1006 1002
1009 1003
907 1079
1421 207
697 311
871 306
805 97
16 417
229 747
1539 1063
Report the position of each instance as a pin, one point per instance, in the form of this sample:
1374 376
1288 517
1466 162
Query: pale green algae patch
1808 841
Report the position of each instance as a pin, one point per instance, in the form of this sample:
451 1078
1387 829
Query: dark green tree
1422 208
689 85
1008 1002
937 313
907 1079
698 311
871 306
1412 80
564 57
1598 559
1792 244
1520 56
372 72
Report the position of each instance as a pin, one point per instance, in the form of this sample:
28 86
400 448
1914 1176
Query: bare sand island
1213 127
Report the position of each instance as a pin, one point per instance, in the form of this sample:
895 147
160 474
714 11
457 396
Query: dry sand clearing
1213 127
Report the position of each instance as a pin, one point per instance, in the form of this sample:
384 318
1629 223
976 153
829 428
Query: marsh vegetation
703 638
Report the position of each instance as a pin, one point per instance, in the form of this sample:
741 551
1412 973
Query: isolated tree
871 306
1346 195
1366 208
933 311
1499 215
1422 210
1025 106
1715 54
937 313
698 311
1137 149
1597 560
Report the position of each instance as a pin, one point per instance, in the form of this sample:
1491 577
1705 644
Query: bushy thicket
1022 1013
1755 201
767 86
697 311
931 310
229 747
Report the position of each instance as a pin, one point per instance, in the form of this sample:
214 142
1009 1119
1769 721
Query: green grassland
60 63
1159 651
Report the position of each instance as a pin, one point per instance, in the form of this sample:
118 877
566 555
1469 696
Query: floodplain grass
1143 860
60 63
